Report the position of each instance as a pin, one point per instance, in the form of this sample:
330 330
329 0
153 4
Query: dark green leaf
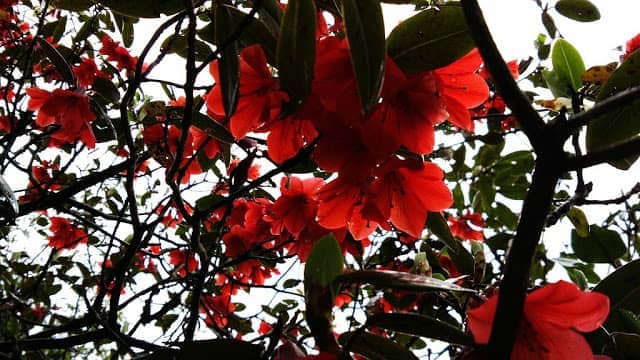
375 347
59 61
579 10
222 348
549 24
9 208
106 89
623 289
72 5
228 64
325 262
296 49
420 325
459 255
617 125
627 346
558 87
59 30
600 246
144 8
567 63
212 128
505 216
431 39
365 31
399 280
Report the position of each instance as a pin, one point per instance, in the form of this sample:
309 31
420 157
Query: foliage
151 214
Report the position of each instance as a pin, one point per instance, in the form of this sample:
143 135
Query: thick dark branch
515 282
51 343
519 104
616 152
616 101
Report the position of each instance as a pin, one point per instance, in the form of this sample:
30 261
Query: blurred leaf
72 5
558 86
420 325
600 246
296 49
578 10
549 24
9 208
627 346
222 348
398 280
375 347
567 63
59 61
620 124
431 39
579 221
364 25
228 63
144 8
325 262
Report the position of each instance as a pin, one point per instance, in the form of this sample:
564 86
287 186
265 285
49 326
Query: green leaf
578 10
255 31
9 208
228 63
579 221
617 125
222 348
399 280
431 39
627 346
144 8
106 89
59 61
375 347
325 262
212 128
420 325
296 49
72 5
460 256
364 25
559 87
600 246
567 63
623 289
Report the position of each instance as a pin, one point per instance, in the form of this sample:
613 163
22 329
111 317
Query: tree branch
622 98
519 104
616 152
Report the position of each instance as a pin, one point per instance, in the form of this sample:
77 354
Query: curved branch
616 152
622 98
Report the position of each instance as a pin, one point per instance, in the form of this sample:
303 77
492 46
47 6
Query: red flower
117 53
462 88
461 227
65 235
552 317
163 143
410 109
296 207
287 136
216 309
184 261
407 190
68 109
632 45
87 71
259 100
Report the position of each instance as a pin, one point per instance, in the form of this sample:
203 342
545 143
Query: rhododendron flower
410 109
296 207
632 45
461 227
216 309
288 135
65 235
163 144
259 99
184 261
117 53
68 109
87 71
407 190
551 321
462 88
